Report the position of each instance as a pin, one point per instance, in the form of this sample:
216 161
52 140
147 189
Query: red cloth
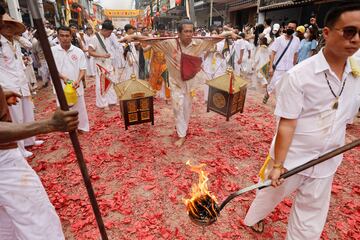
190 66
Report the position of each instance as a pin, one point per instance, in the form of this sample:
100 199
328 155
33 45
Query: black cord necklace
336 103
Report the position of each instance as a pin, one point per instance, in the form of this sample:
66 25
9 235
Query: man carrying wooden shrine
183 64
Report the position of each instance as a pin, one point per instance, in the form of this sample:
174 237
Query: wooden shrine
227 94
136 101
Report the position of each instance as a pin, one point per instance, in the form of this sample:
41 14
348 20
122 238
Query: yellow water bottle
70 94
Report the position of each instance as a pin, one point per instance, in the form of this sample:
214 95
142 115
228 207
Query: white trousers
109 98
91 68
309 209
278 74
206 92
23 112
80 106
182 104
30 74
44 72
25 210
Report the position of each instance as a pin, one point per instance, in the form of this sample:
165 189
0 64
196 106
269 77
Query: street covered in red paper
140 177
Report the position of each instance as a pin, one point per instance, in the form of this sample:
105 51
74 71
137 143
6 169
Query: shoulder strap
179 45
283 53
101 42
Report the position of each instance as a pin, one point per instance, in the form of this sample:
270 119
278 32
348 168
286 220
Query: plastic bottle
70 94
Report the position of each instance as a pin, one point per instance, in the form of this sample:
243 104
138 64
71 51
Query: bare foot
180 142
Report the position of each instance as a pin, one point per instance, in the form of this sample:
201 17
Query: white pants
25 210
44 72
309 209
109 98
91 68
80 106
182 104
23 112
206 92
278 74
30 74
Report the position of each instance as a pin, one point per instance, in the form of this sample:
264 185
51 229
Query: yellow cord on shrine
263 168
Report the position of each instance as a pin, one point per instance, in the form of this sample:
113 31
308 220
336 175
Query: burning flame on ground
202 206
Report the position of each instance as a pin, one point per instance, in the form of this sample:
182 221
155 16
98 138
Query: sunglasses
349 32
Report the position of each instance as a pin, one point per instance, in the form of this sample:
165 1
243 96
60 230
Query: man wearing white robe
88 36
101 51
12 69
71 65
315 101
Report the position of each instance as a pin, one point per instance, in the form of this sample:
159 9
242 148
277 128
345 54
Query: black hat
128 26
107 25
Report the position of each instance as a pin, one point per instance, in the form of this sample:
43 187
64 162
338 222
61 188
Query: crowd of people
313 103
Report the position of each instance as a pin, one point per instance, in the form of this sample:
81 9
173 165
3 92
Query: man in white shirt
12 69
71 65
267 25
315 101
288 59
131 58
88 36
40 59
100 49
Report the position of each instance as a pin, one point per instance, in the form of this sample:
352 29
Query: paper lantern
178 2
78 9
70 2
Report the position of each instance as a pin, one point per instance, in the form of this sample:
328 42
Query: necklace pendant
336 105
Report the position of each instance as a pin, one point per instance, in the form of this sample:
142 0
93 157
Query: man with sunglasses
316 100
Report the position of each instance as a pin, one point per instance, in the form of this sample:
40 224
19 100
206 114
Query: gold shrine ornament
219 100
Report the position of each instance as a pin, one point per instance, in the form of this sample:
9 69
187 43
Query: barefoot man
181 90
316 99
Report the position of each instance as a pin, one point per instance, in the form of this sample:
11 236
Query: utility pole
211 12
192 12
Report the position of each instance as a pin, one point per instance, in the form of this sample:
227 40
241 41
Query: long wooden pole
294 171
38 23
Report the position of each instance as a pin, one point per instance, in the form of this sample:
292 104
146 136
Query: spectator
307 45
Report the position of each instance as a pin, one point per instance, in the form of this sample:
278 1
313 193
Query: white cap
276 26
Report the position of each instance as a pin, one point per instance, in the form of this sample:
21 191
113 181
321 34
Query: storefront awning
284 4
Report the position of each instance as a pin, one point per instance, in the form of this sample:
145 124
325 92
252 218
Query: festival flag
105 81
264 70
67 13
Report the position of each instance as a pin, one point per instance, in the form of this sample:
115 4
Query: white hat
49 32
276 26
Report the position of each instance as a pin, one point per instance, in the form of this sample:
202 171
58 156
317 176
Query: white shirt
69 63
279 45
238 46
267 31
12 68
303 94
95 44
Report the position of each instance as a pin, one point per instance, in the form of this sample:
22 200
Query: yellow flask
70 94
